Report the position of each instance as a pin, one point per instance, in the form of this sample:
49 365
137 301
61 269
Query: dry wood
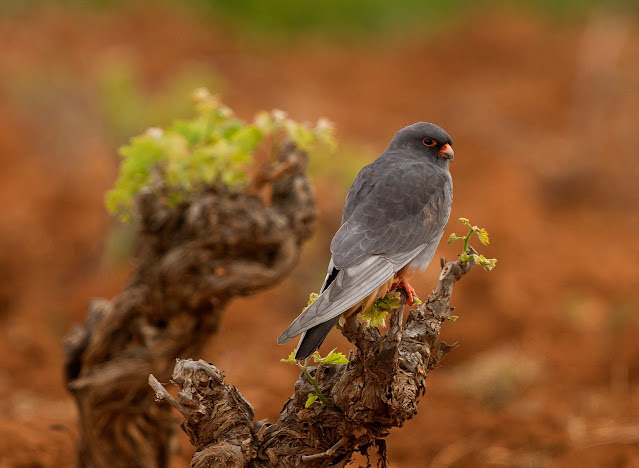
192 259
377 390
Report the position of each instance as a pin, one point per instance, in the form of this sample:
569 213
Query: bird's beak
447 152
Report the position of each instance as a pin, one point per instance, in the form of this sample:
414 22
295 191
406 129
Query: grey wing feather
349 287
360 188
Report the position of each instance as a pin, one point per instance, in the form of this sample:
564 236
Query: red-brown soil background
545 129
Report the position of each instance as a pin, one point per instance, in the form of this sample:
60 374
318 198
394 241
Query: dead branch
377 390
192 259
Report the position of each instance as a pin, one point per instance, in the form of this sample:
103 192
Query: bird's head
423 138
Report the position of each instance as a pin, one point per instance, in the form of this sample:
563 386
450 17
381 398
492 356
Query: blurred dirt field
544 118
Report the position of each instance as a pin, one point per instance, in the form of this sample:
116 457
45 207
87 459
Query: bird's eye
429 142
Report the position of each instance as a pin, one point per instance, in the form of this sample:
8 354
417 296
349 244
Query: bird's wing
401 211
399 216
361 187
350 286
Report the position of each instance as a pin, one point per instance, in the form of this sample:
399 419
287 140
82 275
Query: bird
394 217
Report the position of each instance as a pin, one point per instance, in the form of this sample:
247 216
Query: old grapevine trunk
191 260
377 390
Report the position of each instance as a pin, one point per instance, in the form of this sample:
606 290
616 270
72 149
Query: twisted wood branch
377 390
192 260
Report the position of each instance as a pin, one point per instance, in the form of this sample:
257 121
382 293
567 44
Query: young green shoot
330 358
375 315
467 252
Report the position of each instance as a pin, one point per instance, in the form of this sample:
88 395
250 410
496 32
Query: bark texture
377 390
192 259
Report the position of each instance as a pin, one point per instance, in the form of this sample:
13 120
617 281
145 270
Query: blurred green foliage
354 18
346 19
337 17
213 147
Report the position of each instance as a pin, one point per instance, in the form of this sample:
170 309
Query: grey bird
394 217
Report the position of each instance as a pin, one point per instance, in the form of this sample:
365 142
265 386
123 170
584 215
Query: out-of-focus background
541 98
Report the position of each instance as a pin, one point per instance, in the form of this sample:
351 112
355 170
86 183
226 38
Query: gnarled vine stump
377 390
192 259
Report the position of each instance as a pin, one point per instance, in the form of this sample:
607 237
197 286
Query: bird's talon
410 291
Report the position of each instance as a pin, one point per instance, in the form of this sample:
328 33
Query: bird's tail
313 338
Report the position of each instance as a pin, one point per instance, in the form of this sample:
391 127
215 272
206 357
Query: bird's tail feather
313 338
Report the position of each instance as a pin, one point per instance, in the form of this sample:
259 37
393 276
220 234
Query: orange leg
410 291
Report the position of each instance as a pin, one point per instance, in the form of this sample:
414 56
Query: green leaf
453 238
247 139
310 400
483 236
300 134
465 221
290 359
334 358
375 315
486 263
192 131
331 358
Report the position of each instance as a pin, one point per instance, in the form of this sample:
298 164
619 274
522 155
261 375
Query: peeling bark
377 390
192 259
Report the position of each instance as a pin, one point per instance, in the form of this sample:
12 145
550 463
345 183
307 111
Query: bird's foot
410 291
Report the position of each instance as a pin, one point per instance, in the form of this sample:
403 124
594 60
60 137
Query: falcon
393 220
